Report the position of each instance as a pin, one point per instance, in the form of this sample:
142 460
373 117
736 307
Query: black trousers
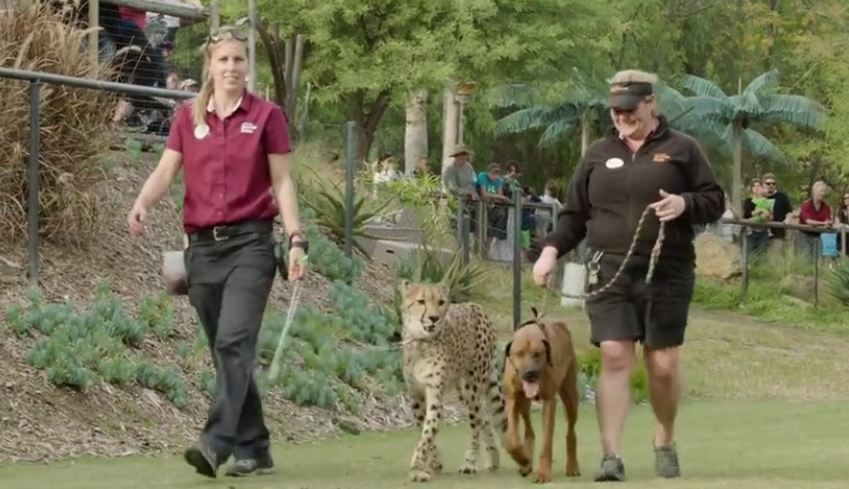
229 282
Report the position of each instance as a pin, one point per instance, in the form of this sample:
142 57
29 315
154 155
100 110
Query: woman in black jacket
646 166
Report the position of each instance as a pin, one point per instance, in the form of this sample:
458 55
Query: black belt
225 231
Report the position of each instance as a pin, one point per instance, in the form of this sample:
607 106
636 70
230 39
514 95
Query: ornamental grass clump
75 127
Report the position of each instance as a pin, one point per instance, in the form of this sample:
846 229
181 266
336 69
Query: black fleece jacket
612 186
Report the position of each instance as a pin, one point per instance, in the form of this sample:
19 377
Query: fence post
349 189
744 242
465 243
517 257
34 174
458 224
817 255
252 44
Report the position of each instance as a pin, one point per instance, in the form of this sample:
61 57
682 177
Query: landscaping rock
717 258
798 286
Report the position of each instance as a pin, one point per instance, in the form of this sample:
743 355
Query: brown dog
540 364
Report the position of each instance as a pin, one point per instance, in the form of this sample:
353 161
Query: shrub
157 313
74 128
77 349
329 260
329 356
364 321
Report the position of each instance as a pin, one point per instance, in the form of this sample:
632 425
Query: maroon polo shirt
226 172
808 212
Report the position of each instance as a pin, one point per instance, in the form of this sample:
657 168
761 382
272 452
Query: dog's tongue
531 389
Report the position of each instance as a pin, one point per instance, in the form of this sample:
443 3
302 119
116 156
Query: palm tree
584 107
730 118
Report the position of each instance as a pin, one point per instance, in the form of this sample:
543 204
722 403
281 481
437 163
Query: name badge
614 163
248 128
201 131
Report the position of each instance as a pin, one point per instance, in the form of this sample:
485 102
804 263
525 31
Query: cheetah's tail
497 411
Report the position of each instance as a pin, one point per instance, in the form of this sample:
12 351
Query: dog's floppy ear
547 351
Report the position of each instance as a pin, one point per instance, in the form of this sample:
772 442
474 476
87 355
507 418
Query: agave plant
329 206
430 265
837 281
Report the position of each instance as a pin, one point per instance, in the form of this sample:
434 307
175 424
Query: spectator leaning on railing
814 212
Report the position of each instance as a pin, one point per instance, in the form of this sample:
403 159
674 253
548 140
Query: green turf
721 444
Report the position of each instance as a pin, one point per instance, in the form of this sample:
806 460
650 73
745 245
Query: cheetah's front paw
417 475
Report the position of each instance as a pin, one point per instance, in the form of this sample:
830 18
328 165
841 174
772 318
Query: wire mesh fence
144 48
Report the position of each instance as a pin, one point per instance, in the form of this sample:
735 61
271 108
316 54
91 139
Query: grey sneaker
666 462
203 459
247 466
612 469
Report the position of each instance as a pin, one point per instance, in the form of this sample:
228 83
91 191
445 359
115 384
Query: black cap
627 95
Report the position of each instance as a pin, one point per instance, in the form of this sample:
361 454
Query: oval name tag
614 163
201 131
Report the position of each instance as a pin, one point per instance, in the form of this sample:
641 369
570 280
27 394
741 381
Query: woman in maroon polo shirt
233 149
814 212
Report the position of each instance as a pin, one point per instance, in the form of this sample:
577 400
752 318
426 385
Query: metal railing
745 225
481 237
36 80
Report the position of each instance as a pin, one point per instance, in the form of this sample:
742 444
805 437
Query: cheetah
449 347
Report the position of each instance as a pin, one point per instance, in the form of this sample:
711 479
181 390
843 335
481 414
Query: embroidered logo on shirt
614 163
248 128
660 157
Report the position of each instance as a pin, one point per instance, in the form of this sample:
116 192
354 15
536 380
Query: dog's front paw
417 475
543 476
572 469
468 469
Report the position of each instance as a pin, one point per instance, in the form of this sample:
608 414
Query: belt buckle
215 234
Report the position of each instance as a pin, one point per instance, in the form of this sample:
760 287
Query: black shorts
655 313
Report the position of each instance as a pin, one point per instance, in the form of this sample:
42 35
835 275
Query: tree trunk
415 130
450 118
585 132
367 120
737 176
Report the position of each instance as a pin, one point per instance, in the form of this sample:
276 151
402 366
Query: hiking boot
666 462
612 469
203 459
246 466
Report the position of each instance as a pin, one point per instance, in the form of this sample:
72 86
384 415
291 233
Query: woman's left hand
297 263
669 207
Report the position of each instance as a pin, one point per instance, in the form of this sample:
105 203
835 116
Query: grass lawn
763 410
745 444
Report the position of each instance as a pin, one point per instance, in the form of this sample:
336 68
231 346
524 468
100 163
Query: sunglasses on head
228 33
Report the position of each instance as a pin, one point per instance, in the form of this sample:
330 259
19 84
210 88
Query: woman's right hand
136 219
545 265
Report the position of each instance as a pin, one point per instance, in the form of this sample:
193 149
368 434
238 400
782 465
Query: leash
594 263
274 370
